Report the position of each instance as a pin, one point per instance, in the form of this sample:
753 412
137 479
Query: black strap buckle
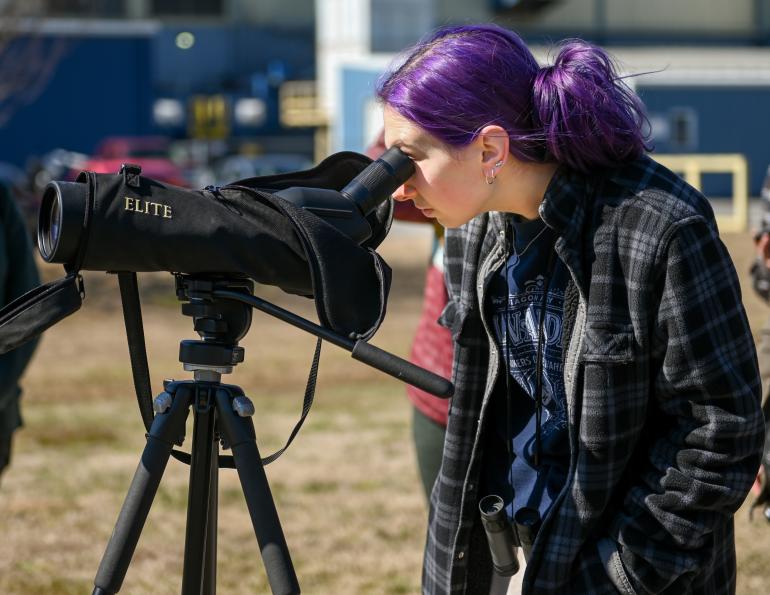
131 173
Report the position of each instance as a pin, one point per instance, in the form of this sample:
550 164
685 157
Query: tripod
221 412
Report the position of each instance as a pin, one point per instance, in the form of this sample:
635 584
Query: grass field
347 490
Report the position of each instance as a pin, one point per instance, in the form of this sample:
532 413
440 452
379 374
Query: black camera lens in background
60 223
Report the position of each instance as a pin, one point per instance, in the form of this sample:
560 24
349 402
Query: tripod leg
239 433
210 572
198 502
166 429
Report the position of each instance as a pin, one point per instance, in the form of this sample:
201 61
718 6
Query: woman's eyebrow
404 145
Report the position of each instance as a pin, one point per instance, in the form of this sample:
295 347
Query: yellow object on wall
693 166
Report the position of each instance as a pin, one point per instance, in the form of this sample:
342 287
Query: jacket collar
564 209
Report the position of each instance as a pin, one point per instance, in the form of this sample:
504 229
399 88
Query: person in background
431 346
760 275
606 383
18 274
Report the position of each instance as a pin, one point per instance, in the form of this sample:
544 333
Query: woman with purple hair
606 385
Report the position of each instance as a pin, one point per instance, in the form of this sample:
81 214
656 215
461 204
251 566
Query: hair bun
589 116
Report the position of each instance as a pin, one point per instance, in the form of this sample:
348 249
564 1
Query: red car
150 152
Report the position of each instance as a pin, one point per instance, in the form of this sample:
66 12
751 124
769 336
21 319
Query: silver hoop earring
499 163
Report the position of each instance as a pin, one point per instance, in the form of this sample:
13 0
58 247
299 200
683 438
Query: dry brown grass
347 490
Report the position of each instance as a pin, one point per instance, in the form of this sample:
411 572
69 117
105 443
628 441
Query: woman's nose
404 192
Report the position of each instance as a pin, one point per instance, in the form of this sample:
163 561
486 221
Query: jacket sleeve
19 276
705 439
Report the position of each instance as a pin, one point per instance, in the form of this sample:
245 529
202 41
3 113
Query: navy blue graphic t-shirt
516 297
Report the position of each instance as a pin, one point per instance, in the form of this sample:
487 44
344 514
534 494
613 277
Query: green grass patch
319 487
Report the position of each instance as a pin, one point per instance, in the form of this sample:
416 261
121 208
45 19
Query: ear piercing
490 178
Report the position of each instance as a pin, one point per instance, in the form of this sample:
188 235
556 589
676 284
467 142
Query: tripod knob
162 403
243 406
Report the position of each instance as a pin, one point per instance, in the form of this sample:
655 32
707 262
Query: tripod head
220 323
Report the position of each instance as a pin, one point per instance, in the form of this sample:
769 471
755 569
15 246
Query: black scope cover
243 229
333 173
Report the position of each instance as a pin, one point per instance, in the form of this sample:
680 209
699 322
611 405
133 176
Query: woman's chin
450 222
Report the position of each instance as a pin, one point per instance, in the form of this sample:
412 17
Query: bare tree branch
27 58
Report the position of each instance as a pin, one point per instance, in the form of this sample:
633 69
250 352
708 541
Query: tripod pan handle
402 369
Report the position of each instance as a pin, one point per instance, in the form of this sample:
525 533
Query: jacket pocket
608 342
614 397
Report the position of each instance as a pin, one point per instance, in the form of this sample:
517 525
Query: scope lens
54 227
60 222
50 224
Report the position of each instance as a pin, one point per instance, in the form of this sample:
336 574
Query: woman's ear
494 147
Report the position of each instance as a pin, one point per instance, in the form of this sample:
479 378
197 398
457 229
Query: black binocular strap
140 370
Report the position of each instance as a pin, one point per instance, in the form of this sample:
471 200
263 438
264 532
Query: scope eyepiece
348 209
379 180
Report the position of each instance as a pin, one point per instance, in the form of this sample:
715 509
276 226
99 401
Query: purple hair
577 111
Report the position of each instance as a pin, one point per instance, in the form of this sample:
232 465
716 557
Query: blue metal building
110 74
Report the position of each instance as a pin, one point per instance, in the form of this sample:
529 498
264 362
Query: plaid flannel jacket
663 395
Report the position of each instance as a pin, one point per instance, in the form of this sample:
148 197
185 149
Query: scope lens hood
60 223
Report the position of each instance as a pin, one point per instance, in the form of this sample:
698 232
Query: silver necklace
532 241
